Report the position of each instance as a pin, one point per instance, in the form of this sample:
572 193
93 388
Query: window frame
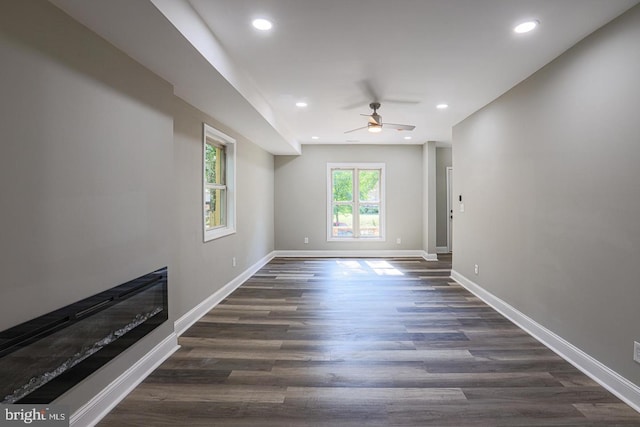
356 202
209 133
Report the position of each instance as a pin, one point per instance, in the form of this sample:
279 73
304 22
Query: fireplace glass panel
78 339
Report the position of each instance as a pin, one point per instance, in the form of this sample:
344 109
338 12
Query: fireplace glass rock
43 358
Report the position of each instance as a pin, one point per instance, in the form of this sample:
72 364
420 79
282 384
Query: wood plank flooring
363 342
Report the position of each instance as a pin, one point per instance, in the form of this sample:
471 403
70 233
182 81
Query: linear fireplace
44 357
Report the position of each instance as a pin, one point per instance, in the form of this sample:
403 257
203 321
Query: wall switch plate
233 262
461 207
306 240
398 241
476 269
636 351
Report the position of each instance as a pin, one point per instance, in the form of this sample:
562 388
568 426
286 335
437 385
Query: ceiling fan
375 123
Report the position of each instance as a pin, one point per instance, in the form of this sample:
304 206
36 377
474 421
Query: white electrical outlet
398 240
306 240
636 351
476 269
233 262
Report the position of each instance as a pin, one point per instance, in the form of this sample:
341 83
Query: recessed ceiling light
301 104
442 106
315 137
525 27
262 24
407 138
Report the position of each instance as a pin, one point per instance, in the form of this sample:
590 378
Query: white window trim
230 170
329 218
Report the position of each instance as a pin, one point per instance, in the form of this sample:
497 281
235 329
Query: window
355 201
219 183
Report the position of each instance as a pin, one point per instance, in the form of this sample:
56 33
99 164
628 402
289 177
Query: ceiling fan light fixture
374 123
374 128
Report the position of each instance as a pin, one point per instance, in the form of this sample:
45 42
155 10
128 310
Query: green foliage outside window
214 164
343 188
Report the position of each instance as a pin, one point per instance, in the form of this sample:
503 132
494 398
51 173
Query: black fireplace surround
46 356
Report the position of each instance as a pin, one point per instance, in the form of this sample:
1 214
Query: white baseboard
442 250
193 315
429 257
624 389
93 411
363 253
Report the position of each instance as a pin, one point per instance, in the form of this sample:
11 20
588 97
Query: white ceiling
413 54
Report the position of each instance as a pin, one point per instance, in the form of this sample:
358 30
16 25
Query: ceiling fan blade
368 87
353 130
369 90
361 103
397 126
400 101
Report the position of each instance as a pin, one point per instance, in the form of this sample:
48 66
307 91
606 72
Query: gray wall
85 171
443 159
549 175
84 132
301 188
96 189
198 268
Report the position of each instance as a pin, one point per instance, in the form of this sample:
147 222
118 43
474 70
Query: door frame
449 175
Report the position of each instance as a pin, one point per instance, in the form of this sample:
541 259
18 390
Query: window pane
342 185
369 184
342 221
214 164
214 208
369 221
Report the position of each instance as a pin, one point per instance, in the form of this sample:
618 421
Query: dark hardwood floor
363 342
